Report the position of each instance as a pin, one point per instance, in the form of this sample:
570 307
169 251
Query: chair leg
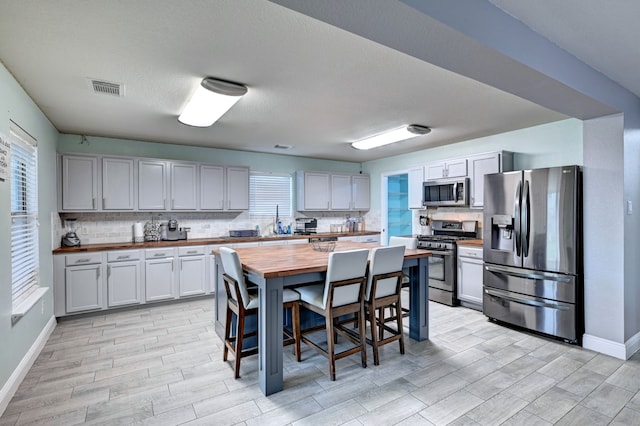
331 348
374 337
399 325
239 338
295 319
227 334
382 322
363 337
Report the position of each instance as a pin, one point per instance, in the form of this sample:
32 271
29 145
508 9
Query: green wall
547 145
16 339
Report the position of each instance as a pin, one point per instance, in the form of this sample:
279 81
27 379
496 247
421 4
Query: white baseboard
633 345
11 386
604 346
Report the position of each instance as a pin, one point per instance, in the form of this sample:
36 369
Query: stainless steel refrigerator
533 262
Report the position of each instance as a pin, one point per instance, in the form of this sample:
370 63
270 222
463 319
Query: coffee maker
70 238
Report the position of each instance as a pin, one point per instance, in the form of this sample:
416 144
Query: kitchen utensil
70 238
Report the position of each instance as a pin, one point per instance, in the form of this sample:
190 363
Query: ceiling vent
101 87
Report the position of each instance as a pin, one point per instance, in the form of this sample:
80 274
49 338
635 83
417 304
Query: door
123 283
192 275
79 183
159 279
341 192
83 288
550 220
211 187
183 186
237 188
152 185
501 229
361 186
117 184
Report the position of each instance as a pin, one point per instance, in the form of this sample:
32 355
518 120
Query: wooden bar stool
384 284
243 302
342 293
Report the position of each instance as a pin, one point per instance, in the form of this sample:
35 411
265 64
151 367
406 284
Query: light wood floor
163 365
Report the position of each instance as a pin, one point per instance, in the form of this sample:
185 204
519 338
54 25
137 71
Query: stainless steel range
443 286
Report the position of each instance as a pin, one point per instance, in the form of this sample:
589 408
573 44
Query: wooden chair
411 243
243 302
341 294
384 284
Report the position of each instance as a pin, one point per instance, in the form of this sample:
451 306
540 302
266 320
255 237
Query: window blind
267 191
25 265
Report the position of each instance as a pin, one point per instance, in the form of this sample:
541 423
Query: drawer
123 255
159 253
468 251
191 251
82 259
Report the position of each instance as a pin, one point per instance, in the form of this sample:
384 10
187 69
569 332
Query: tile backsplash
97 228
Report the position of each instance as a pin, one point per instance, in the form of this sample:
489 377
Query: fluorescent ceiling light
391 136
210 101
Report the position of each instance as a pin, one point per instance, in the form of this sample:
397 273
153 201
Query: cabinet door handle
108 271
173 204
93 203
104 202
98 273
181 264
164 203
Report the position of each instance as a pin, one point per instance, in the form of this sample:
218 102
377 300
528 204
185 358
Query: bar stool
384 284
341 294
243 302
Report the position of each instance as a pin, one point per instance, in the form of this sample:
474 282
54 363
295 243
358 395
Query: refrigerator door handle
526 301
526 210
531 276
516 214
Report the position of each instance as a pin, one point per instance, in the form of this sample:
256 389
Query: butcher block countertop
199 242
474 243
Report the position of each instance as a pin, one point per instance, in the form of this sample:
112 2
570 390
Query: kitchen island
274 268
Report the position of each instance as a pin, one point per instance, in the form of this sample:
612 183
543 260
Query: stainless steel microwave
446 192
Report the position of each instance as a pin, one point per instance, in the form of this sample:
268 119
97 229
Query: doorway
398 216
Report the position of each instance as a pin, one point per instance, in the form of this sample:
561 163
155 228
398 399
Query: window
268 192
25 265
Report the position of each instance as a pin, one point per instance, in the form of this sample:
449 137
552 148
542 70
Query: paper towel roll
138 233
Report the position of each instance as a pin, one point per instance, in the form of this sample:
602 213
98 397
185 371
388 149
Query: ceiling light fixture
211 100
396 135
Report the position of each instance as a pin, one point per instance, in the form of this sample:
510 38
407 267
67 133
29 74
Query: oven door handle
527 301
531 276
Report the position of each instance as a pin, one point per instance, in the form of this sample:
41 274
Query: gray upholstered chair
243 302
341 294
384 283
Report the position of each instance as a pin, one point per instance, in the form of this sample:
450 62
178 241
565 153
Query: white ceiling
311 85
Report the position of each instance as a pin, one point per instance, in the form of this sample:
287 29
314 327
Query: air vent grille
101 87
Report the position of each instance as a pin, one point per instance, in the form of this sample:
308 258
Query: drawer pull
83 260
159 255
124 257
192 251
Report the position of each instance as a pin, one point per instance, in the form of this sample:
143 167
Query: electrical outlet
84 230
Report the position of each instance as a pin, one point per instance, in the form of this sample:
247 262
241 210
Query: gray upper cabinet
483 164
79 183
184 186
152 185
117 183
237 188
416 179
211 187
322 191
446 169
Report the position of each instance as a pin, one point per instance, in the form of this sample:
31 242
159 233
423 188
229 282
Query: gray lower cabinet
83 290
470 276
192 271
159 274
124 278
